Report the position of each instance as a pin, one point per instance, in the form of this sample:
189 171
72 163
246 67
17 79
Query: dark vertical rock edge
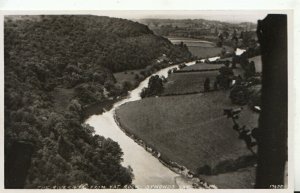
272 149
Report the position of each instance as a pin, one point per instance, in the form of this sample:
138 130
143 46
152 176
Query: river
148 171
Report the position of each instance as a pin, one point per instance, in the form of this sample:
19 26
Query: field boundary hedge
202 70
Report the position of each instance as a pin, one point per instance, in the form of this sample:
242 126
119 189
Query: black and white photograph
146 100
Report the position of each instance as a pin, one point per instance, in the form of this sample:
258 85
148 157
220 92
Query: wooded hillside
44 53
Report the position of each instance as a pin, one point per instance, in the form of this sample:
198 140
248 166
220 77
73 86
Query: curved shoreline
197 183
113 129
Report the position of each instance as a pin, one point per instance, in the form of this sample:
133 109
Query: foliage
75 53
70 44
155 87
239 95
225 77
255 96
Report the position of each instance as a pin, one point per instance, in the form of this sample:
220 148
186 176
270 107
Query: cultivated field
201 49
189 129
191 80
202 66
188 82
204 52
192 42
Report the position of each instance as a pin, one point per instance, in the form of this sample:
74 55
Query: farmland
201 66
201 49
187 126
189 129
204 52
190 79
188 82
193 42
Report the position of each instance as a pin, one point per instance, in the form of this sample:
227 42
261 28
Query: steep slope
76 56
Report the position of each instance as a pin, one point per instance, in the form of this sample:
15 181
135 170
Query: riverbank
148 171
166 127
189 130
121 77
175 167
99 108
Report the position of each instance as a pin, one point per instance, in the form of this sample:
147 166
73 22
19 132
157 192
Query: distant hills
197 28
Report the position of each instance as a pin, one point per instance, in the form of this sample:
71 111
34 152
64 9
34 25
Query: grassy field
189 129
243 178
205 52
192 79
128 75
202 66
192 42
188 82
201 49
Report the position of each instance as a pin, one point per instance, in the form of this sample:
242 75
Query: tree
206 85
155 87
225 76
126 86
239 95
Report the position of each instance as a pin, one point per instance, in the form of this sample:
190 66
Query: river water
148 171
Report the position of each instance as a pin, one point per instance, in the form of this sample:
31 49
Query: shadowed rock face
17 163
272 148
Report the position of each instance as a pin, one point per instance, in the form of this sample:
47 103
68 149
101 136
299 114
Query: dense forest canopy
79 53
116 44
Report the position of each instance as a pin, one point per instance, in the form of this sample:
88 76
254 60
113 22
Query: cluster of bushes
247 90
180 66
172 70
223 80
89 93
155 87
176 69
